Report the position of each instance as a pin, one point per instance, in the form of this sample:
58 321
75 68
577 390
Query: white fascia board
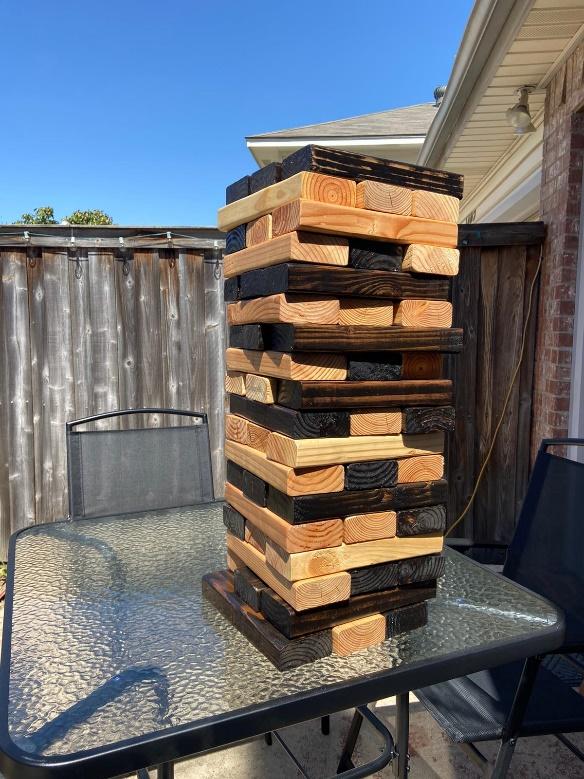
406 140
518 204
514 167
491 29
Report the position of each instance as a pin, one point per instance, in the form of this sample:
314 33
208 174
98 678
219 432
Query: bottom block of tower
288 653
283 652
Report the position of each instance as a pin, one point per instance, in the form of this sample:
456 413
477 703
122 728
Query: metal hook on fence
217 268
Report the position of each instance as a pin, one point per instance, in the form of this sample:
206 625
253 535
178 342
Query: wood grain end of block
329 189
437 260
375 422
262 389
421 365
369 527
358 634
235 383
423 313
378 196
259 230
428 467
433 205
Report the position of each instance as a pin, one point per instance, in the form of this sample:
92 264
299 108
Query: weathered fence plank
79 338
17 509
53 390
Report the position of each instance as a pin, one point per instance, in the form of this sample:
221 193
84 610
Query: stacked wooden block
337 293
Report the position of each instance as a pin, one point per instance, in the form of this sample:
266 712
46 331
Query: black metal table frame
223 730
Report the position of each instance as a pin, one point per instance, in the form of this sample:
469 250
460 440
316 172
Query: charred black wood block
406 618
298 623
311 508
341 282
234 522
359 338
426 420
335 162
294 424
308 395
372 255
235 474
377 367
235 239
412 571
283 652
421 521
231 289
265 177
237 190
371 474
255 488
247 337
248 587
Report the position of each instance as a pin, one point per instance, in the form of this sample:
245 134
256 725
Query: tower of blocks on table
337 271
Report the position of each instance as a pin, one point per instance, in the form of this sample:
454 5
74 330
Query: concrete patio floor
432 755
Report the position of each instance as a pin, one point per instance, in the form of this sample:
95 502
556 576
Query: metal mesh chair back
122 471
546 554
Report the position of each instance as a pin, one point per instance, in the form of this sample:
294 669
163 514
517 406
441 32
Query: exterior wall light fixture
518 115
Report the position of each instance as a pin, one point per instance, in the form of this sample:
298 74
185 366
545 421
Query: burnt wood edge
501 234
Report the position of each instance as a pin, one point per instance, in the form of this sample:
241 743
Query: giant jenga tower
337 272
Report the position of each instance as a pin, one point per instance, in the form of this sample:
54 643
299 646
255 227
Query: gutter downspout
491 29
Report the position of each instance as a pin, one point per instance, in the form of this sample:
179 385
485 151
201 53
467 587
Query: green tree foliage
45 215
95 217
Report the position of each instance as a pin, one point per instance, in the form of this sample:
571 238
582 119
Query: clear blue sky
140 108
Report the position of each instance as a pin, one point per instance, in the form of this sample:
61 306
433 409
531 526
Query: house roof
410 120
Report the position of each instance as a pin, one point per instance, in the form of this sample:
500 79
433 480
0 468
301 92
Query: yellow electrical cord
505 404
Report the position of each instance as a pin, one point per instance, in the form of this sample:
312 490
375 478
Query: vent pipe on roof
439 93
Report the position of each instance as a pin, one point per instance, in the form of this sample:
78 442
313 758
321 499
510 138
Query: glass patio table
112 660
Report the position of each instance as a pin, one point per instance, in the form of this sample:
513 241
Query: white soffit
550 31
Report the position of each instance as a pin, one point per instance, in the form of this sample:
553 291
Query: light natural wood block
235 382
303 565
236 429
433 205
297 309
307 452
258 231
311 186
296 247
255 537
300 367
359 634
375 422
378 196
369 527
261 388
362 223
290 481
423 313
309 594
356 311
429 467
246 433
257 436
312 535
439 261
419 365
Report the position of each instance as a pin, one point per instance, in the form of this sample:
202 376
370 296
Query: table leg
402 724
346 762
165 771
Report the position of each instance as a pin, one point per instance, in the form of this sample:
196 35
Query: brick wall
561 193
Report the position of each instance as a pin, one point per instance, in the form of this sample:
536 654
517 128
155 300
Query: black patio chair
546 556
139 469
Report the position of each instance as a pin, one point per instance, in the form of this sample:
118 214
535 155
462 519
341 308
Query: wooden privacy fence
90 329
490 296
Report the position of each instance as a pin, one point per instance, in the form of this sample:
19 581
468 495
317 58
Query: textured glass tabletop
111 639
